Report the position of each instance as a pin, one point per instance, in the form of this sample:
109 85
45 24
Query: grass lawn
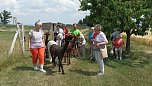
134 70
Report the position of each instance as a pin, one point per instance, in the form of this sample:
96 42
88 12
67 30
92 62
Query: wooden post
13 43
23 39
20 38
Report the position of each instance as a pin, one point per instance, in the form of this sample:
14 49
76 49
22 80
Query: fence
20 35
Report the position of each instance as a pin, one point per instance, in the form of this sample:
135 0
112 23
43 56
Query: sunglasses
39 25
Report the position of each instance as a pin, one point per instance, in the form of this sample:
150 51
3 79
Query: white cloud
28 11
7 2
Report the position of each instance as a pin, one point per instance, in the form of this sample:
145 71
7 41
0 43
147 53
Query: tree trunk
128 41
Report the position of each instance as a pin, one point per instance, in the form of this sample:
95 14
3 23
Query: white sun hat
92 28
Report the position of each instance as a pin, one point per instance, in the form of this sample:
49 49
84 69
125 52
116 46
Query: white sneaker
36 68
42 70
51 60
116 57
100 74
120 58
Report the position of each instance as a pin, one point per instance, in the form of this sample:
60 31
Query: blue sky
29 11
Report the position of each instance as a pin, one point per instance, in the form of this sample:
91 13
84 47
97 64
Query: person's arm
43 38
122 43
103 42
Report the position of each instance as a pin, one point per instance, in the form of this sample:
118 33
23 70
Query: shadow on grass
49 70
48 67
86 73
26 68
132 59
23 68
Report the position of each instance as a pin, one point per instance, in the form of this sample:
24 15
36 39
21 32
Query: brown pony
57 51
69 41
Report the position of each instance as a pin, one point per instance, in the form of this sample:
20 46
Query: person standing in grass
93 47
113 37
118 46
100 42
90 42
36 46
75 32
82 46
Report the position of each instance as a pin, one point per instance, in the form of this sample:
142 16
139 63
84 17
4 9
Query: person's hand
93 40
44 47
98 45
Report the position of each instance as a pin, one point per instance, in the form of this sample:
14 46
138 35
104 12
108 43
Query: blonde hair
98 27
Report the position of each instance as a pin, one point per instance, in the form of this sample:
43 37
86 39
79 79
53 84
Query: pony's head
68 38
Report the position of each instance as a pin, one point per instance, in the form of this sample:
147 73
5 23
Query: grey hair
98 27
38 23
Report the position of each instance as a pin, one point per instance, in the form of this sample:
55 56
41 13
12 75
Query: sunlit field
16 70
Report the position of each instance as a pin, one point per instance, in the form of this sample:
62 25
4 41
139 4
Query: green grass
134 70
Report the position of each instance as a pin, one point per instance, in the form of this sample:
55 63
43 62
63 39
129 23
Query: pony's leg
53 61
48 47
68 58
60 65
65 55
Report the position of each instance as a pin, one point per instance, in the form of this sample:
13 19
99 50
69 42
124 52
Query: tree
80 22
5 16
123 14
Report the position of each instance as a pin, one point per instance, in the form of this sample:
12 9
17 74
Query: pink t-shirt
36 39
118 43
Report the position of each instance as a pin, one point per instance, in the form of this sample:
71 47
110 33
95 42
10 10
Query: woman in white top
99 42
37 46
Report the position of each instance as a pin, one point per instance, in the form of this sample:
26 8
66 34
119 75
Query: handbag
103 51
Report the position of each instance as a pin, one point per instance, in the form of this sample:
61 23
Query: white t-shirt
84 41
101 37
61 31
36 39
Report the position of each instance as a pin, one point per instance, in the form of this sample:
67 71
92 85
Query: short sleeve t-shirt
101 37
61 31
90 35
75 32
118 42
82 37
36 39
94 35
